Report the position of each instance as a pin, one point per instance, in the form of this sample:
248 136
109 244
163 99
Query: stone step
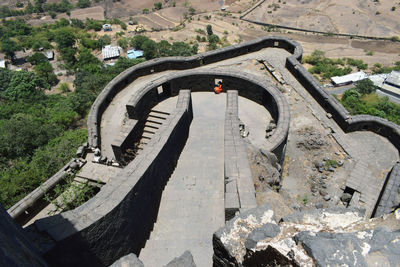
155 121
152 125
153 115
147 129
159 112
147 135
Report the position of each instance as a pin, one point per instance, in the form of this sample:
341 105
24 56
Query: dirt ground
362 17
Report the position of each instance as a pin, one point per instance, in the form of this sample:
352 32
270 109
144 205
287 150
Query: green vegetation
70 195
152 49
330 163
209 29
363 100
378 68
327 68
40 133
39 6
157 6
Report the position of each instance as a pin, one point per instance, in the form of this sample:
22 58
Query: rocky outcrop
322 237
129 260
185 260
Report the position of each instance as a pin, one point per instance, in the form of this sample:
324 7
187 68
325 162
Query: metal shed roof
110 52
349 78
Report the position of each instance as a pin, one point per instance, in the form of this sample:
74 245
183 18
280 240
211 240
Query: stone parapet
119 219
177 63
389 197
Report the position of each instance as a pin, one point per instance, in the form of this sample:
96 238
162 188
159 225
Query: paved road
192 204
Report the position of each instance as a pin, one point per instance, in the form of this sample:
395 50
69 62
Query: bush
157 6
365 86
83 3
64 87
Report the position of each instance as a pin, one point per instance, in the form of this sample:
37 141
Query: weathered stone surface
378 247
15 248
229 241
129 260
343 217
268 230
324 237
186 260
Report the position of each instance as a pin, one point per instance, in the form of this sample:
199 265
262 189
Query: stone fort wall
87 230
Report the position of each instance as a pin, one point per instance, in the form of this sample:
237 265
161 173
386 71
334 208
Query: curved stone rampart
119 219
249 86
177 63
347 122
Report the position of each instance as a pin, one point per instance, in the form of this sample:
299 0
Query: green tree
157 6
365 86
37 58
24 86
45 71
64 37
83 3
5 78
209 29
123 42
52 14
138 40
103 41
68 55
164 48
23 133
9 47
85 60
149 49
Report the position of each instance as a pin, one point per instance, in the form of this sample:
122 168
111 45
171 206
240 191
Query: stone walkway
192 204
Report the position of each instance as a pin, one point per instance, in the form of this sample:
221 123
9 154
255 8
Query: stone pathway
192 204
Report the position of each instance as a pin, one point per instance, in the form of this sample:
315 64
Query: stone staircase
154 120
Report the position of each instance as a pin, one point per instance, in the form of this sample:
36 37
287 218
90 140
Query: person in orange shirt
218 89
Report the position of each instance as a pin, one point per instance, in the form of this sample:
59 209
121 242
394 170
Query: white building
3 64
110 52
107 27
392 84
349 78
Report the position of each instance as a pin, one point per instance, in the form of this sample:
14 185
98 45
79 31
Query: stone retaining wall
389 197
239 187
177 63
33 203
247 85
349 123
119 219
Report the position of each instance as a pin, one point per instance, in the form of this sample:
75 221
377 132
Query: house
133 53
3 64
107 27
349 78
49 55
392 84
110 52
378 79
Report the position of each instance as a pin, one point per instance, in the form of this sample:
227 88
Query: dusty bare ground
362 17
96 12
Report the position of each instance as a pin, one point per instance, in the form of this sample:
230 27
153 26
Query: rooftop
109 52
393 78
3 64
349 78
132 54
